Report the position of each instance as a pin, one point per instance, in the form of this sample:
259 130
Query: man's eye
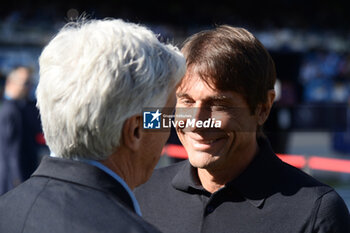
187 101
219 108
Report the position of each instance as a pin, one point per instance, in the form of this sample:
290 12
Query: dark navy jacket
66 196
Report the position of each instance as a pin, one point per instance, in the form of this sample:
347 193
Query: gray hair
96 74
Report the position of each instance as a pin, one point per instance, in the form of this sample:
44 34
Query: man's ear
132 132
263 109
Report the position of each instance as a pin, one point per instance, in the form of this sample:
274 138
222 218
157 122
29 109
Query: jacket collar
84 174
254 184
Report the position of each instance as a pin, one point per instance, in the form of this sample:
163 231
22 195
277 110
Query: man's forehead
193 79
220 96
190 89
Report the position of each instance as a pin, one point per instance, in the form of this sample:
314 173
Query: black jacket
270 196
68 196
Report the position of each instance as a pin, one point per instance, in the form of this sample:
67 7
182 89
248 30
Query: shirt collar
119 179
187 179
82 173
254 184
115 176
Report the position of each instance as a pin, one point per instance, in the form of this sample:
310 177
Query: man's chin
201 160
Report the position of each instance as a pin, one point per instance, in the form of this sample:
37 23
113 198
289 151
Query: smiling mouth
206 144
208 141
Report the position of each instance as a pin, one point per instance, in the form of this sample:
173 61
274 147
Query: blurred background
308 40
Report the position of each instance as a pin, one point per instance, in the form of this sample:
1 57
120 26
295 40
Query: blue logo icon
151 120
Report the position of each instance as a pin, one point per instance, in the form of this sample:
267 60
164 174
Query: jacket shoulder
48 205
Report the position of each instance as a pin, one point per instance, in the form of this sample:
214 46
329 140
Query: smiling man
233 181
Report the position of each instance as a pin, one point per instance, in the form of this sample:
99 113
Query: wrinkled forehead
194 75
198 83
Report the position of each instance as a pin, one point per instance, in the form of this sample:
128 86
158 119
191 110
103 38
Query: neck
214 179
122 167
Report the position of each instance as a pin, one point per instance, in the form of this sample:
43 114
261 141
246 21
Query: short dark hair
232 59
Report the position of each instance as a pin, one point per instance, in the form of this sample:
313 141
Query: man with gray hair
95 79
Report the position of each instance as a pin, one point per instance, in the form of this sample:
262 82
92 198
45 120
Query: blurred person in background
19 127
233 181
96 76
2 85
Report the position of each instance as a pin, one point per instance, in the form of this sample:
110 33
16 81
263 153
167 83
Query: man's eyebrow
219 97
210 98
182 95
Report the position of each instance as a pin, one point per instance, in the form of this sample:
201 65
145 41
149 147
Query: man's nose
198 113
